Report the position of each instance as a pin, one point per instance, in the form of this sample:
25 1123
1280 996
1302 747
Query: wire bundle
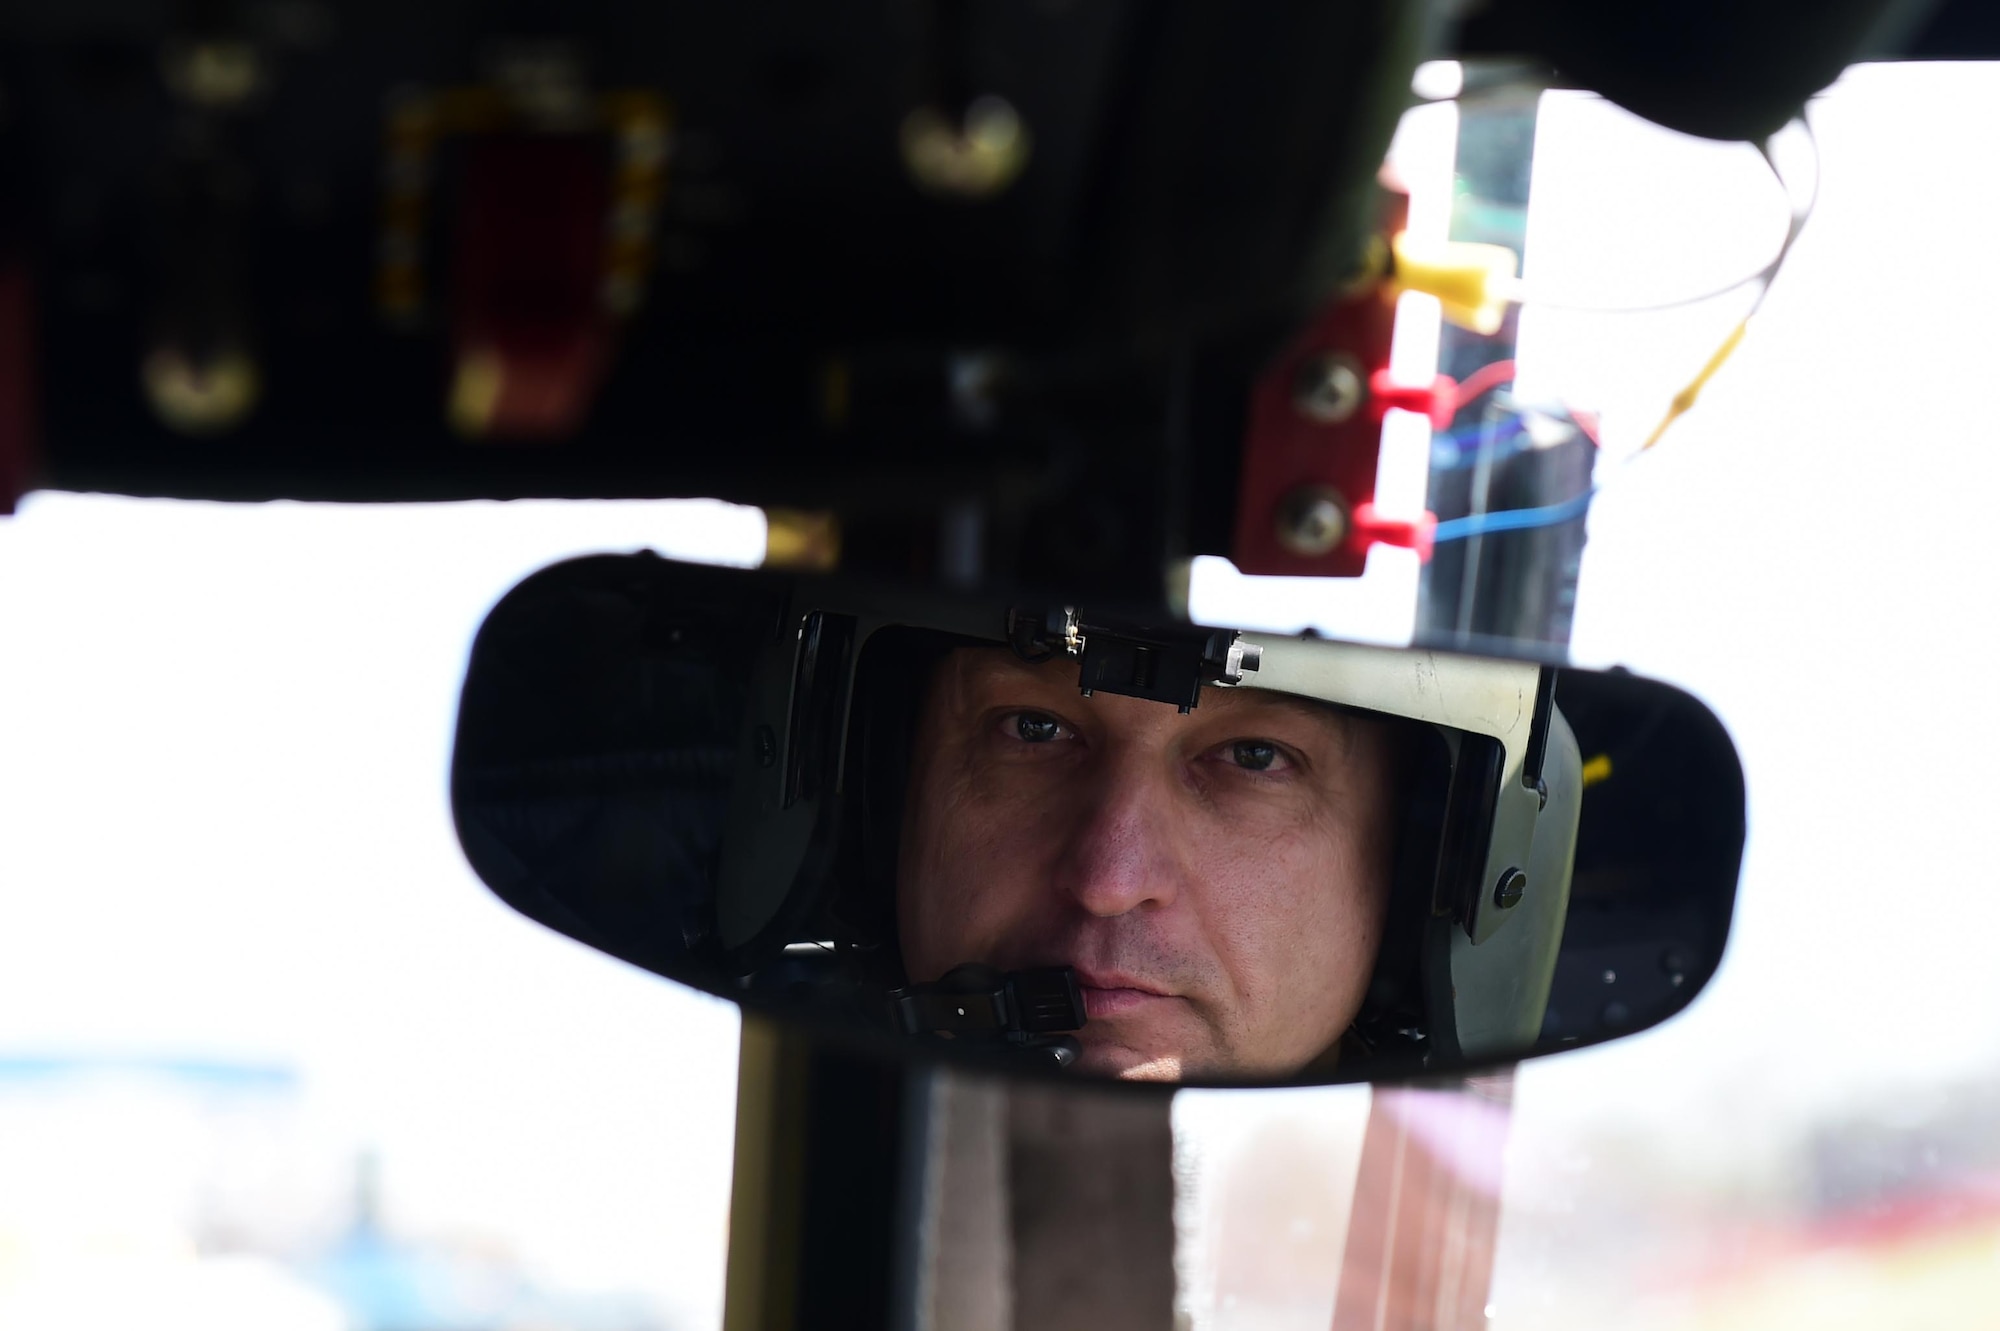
1488 435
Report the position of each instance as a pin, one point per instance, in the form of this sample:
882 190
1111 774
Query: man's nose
1122 851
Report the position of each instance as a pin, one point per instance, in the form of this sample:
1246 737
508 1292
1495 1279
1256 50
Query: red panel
531 337
18 437
1285 451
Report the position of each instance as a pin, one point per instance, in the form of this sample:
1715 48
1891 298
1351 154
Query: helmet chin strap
1027 1011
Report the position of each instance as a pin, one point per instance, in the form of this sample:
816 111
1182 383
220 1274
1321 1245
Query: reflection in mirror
1053 837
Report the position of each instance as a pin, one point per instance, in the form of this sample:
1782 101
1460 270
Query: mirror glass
1063 839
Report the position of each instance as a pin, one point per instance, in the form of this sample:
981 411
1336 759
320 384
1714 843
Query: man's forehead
981 669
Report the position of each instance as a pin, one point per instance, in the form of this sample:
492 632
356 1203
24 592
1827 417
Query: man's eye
1256 755
1035 728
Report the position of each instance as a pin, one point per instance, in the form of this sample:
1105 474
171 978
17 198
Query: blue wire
1513 519
1470 434
1453 449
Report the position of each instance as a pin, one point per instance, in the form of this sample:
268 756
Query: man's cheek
990 901
1267 912
972 892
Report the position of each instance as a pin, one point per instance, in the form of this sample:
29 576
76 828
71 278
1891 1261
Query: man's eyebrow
1317 708
999 664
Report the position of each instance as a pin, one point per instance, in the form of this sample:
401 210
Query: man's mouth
1111 994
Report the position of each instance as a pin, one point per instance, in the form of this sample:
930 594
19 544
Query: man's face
1218 880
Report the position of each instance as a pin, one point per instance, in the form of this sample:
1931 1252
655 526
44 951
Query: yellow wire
1685 399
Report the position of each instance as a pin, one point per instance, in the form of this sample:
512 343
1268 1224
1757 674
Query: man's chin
1128 1064
1130 1056
1164 1041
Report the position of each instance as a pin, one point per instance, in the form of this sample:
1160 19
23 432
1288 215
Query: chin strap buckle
1027 1010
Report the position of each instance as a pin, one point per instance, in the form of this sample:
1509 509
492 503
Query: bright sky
223 822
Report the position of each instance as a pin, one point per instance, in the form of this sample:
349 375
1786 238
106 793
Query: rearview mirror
1054 836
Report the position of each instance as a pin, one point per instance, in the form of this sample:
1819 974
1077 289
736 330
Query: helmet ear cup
1393 1018
892 680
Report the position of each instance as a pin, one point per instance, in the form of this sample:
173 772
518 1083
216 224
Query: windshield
232 1093
230 1096
1812 1143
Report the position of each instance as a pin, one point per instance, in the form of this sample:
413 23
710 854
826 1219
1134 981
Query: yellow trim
760 1290
802 539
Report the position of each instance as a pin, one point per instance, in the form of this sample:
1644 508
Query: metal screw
543 81
200 396
1329 388
1312 521
976 381
974 159
767 746
214 74
1072 634
1507 893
